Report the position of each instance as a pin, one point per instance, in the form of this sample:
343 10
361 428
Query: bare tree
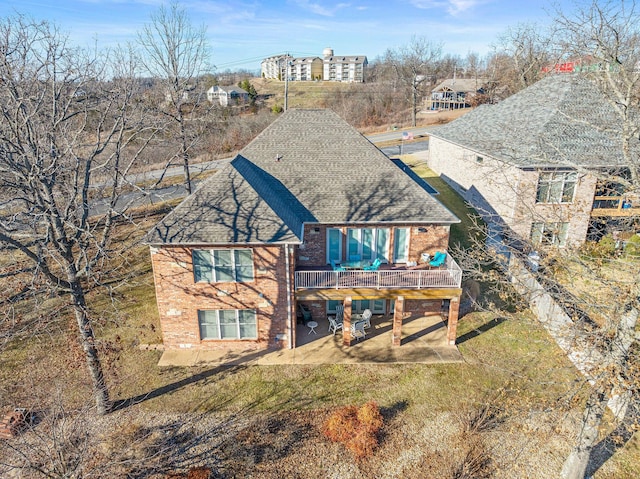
415 65
67 127
603 40
527 48
177 53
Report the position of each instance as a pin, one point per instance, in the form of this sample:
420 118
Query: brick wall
498 188
422 238
577 213
179 298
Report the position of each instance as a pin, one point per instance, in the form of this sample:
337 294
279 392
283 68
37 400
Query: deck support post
452 322
346 322
398 314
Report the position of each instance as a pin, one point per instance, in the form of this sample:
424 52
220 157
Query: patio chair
373 266
366 318
336 267
438 259
357 330
334 325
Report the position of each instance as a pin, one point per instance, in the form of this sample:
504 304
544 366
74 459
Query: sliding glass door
334 245
368 244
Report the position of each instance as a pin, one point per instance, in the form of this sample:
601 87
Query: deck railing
615 206
449 277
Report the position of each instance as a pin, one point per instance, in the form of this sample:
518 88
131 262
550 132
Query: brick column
452 324
398 314
346 322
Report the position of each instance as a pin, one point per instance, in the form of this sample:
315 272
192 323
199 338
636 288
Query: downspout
289 325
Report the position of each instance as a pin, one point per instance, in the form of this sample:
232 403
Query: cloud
453 7
318 9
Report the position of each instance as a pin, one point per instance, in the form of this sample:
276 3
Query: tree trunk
414 106
185 151
100 391
576 464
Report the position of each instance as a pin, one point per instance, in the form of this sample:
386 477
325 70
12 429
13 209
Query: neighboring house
189 95
235 262
527 164
456 93
229 95
329 68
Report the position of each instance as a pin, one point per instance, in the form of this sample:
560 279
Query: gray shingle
307 166
560 120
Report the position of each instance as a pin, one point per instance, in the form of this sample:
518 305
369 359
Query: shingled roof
561 120
308 166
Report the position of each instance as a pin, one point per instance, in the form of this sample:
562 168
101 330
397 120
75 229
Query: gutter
288 279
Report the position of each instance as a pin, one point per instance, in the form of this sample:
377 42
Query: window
376 306
334 245
223 265
556 187
368 243
549 233
228 324
400 245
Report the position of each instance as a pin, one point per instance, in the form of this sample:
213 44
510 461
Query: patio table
355 264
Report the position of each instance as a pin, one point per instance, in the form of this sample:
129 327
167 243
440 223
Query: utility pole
286 80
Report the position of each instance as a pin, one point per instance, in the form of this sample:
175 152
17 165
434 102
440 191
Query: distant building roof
561 120
307 166
461 84
346 58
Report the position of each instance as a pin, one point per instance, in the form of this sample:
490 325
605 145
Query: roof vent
278 157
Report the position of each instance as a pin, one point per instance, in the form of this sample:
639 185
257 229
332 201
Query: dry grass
272 415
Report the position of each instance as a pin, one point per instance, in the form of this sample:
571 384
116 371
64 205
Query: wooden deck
393 277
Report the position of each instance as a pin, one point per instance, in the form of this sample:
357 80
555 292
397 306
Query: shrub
633 245
605 248
356 428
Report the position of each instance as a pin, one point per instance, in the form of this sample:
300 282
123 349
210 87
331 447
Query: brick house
530 164
236 260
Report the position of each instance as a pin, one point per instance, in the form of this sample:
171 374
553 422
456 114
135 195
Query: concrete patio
423 341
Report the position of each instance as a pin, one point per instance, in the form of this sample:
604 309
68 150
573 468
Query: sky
242 33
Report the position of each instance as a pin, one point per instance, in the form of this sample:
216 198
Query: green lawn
461 233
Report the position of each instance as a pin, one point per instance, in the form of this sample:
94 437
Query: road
406 147
149 197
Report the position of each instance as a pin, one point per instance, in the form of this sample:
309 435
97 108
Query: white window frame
216 324
214 273
339 258
383 255
357 306
554 233
561 180
404 259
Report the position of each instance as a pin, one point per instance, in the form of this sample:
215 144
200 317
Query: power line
245 61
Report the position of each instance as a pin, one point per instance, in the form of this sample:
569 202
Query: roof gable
561 120
309 166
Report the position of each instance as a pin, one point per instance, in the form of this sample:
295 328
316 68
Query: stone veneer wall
179 298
